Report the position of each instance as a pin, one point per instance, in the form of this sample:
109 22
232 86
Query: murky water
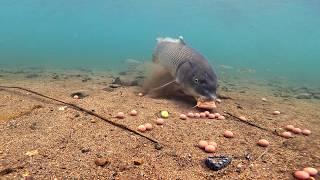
274 39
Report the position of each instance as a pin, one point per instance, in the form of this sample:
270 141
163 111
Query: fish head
198 80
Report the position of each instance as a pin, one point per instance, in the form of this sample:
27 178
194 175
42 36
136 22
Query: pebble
148 126
263 143
221 118
133 113
190 115
62 108
202 144
159 121
301 175
93 121
142 128
296 130
164 114
228 134
120 115
289 127
101 161
243 118
196 115
306 132
217 114
211 116
183 116
210 149
218 100
276 112
140 94
202 115
137 162
75 97
264 99
207 113
213 143
312 171
287 134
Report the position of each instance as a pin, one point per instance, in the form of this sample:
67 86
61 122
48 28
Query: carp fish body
188 68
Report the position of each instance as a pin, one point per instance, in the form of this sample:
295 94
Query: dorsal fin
181 40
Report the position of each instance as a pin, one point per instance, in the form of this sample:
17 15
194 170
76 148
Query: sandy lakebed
40 141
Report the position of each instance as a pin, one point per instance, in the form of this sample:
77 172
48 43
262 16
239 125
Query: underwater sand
68 142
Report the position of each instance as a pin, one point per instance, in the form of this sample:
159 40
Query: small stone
75 97
301 175
93 121
85 150
221 118
264 99
218 100
101 161
137 162
276 112
140 94
114 85
207 113
306 132
62 108
213 144
32 153
243 118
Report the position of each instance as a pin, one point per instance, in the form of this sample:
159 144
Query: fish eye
196 80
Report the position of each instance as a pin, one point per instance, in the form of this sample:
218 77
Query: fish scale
172 54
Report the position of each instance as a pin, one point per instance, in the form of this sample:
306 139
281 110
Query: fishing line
157 144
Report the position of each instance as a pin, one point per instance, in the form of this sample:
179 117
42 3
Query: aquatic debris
301 175
32 153
312 171
164 114
120 115
159 121
133 113
79 94
217 162
263 143
228 134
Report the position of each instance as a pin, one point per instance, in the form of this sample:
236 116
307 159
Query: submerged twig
86 111
251 124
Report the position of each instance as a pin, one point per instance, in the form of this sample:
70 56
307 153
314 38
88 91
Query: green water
270 39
